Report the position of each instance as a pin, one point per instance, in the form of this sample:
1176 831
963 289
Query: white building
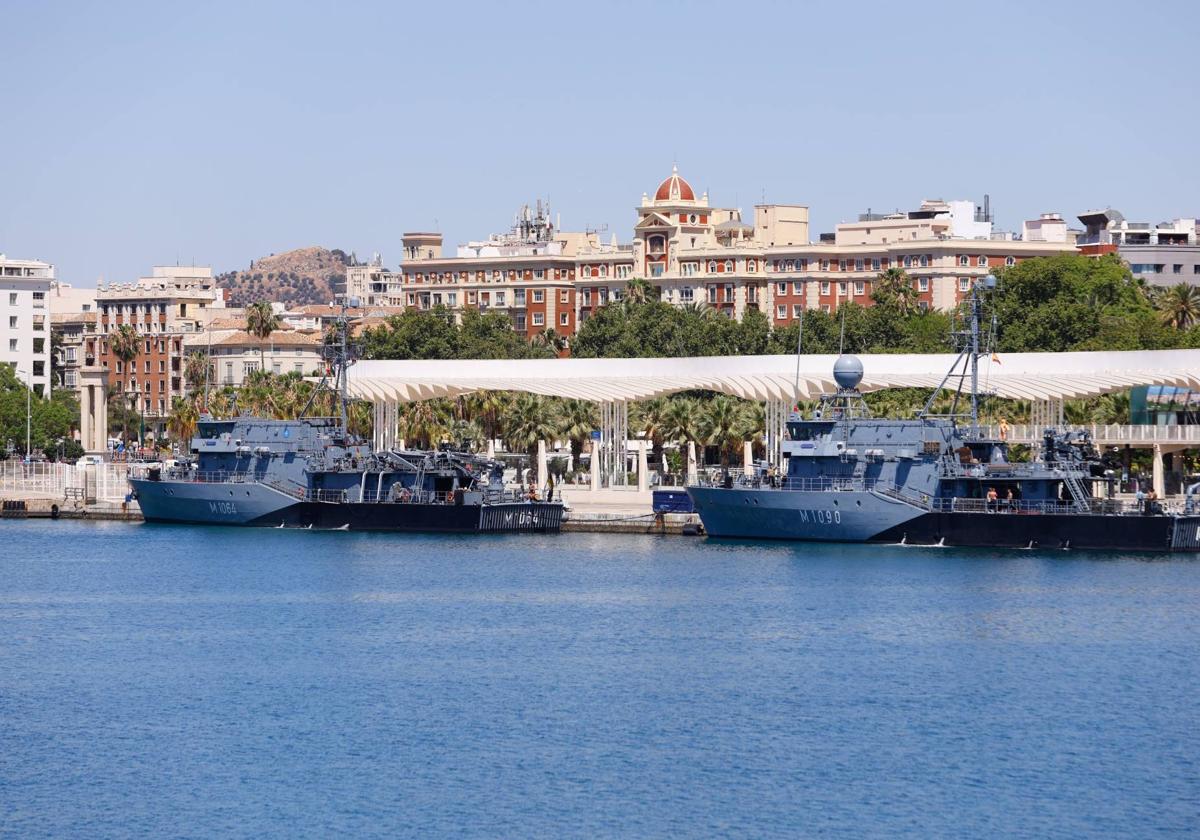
25 320
1164 254
66 299
234 353
1048 227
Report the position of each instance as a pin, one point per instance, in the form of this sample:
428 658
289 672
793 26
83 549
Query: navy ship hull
258 505
865 516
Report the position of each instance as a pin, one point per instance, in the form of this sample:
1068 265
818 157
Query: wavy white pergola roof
1025 376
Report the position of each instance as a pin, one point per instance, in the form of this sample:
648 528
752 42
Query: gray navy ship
312 473
851 477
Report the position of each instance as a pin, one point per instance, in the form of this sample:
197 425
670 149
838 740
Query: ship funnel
848 372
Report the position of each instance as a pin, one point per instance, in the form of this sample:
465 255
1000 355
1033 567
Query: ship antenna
842 337
799 344
969 356
344 366
975 362
207 365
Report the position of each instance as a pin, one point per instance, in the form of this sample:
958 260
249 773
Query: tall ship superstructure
935 480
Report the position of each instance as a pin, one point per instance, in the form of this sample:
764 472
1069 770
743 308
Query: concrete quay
35 507
589 511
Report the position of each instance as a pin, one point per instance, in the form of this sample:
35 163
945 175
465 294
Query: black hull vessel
1000 530
512 517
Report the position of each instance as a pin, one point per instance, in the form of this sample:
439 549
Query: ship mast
968 357
975 305
343 364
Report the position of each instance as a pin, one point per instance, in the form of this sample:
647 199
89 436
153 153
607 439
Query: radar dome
848 371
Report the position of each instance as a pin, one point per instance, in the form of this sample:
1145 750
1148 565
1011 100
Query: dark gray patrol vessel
312 473
850 477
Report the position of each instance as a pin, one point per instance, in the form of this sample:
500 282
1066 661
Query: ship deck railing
953 468
209 477
1092 507
760 481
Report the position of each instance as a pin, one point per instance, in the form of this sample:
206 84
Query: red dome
674 188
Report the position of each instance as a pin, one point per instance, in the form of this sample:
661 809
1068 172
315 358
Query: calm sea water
163 681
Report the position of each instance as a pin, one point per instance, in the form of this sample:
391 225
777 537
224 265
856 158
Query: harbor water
170 681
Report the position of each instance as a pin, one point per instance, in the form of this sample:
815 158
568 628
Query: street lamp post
28 410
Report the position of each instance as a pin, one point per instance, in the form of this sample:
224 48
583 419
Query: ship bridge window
803 433
212 431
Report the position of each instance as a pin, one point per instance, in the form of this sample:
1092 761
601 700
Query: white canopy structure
1045 379
1023 376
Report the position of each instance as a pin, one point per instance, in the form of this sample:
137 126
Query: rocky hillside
296 278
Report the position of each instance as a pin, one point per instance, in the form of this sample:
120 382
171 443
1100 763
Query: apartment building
72 316
25 320
164 308
1162 254
527 273
694 252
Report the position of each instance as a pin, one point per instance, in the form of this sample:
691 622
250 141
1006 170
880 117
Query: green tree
894 288
650 419
1074 302
181 424
195 371
532 418
424 424
1179 306
125 344
577 420
51 419
551 340
261 321
726 424
638 291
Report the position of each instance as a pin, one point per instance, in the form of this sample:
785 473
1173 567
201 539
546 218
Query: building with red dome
693 252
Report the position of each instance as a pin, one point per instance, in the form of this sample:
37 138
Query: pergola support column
775 432
614 432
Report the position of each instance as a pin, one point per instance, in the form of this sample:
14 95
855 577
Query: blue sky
137 134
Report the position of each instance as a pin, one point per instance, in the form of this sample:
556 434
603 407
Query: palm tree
531 419
261 321
220 404
1112 409
466 434
424 424
638 290
361 419
725 424
1178 306
577 419
650 418
895 287
181 424
488 409
549 338
682 421
195 371
125 344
